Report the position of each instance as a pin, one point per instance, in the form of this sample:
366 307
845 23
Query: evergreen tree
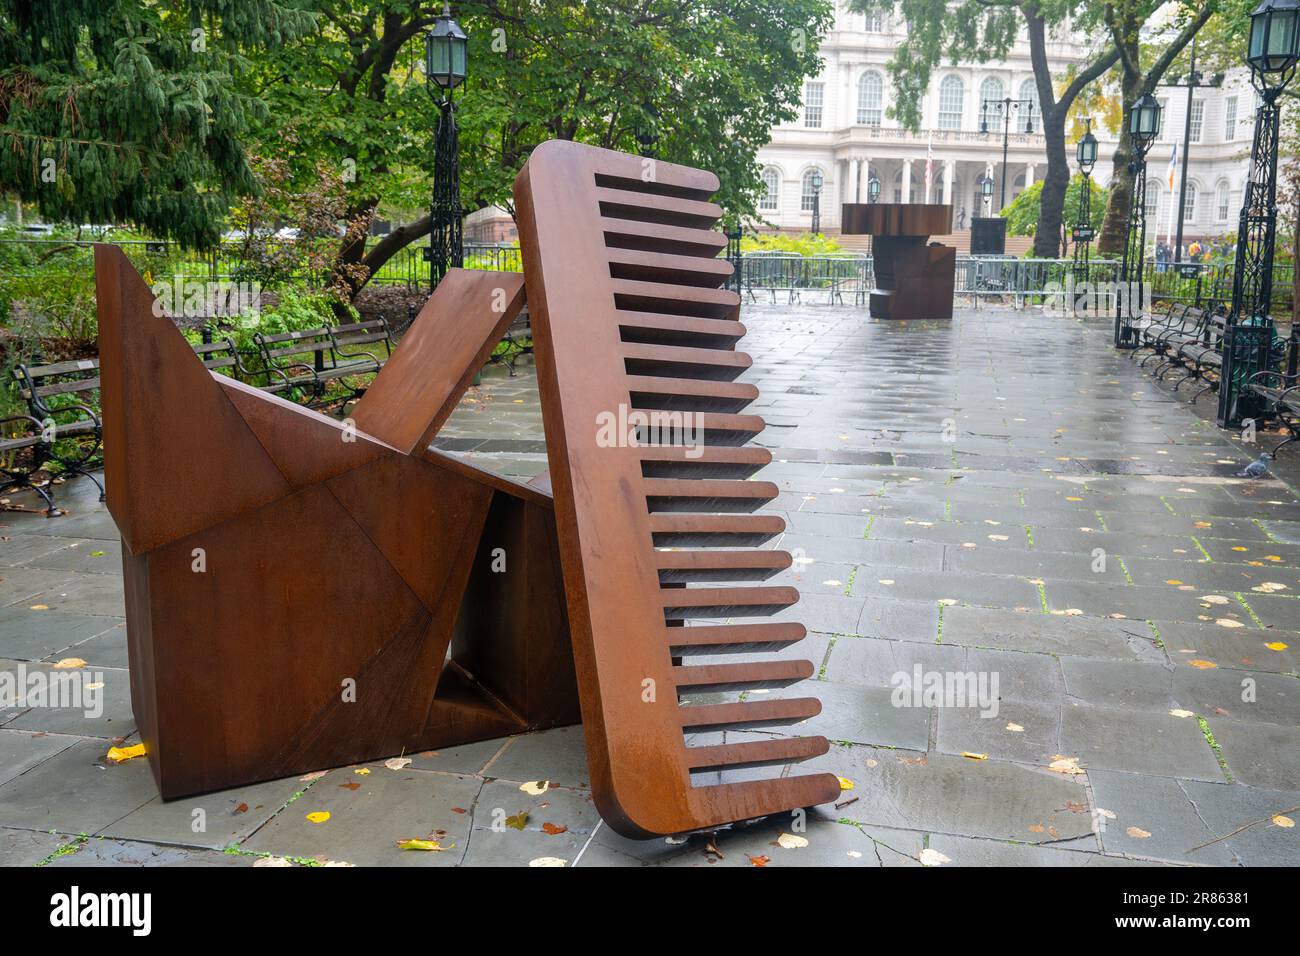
128 111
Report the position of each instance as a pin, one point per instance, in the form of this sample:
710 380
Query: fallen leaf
971 756
69 663
242 808
1036 828
362 771
1066 765
1228 622
551 829
932 857
1276 646
759 861
427 845
350 785
845 783
397 763
1202 665
536 787
791 842
1181 713
119 754
1285 822
39 607
548 861
1108 814
320 816
1137 833
272 861
459 810
1015 728
518 821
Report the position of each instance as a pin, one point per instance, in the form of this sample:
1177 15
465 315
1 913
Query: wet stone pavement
1002 496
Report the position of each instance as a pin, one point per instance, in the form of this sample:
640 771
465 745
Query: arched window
990 93
1027 118
873 22
1152 197
771 190
871 97
952 93
807 192
1189 206
1222 202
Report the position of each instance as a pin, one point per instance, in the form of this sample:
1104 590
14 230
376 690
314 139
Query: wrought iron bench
309 360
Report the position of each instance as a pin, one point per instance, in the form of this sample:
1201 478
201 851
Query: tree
984 30
1024 214
128 111
705 80
1127 22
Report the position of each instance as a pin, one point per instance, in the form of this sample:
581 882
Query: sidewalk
1003 496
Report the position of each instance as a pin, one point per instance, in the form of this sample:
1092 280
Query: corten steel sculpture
913 280
629 319
302 592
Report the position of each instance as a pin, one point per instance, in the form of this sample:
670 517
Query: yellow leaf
1227 622
1137 833
845 783
69 663
536 787
1202 665
1173 581
518 821
1285 822
39 607
547 861
1066 765
971 756
789 841
1015 728
1276 646
320 816
118 754
1181 713
361 771
1238 547
429 845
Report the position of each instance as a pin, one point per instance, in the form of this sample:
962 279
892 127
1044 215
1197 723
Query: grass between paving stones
1249 610
1214 745
1042 592
848 588
826 658
1128 578
1155 632
1168 506
1199 548
866 532
1029 534
67 849
1101 521
235 850
1268 534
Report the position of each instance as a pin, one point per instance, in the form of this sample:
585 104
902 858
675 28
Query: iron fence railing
839 278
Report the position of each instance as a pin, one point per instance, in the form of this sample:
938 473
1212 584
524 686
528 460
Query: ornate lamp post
873 188
1086 154
986 192
1004 108
1272 53
444 69
734 235
1143 126
816 181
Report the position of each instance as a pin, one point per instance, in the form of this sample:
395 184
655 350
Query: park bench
310 360
449 603
1165 318
517 341
21 438
1203 355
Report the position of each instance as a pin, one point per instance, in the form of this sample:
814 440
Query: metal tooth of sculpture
302 593
629 320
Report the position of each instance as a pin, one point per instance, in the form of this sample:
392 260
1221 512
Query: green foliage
801 244
128 110
1023 212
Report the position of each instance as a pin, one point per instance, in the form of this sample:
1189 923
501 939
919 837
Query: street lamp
873 188
734 234
815 181
1086 154
1004 107
1193 81
985 185
1272 53
445 61
1143 127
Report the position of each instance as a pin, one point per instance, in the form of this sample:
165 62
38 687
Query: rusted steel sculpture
913 280
629 321
303 592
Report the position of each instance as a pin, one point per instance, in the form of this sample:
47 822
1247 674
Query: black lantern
1086 152
985 184
1274 41
1144 122
445 57
873 188
815 180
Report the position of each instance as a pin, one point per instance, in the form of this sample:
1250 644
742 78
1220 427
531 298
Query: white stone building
844 132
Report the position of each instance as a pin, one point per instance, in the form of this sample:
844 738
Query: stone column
851 190
907 180
947 182
1029 175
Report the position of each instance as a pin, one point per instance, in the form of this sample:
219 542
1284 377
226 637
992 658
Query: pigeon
1256 469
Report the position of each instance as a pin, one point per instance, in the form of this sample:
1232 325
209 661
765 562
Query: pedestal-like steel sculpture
913 280
305 593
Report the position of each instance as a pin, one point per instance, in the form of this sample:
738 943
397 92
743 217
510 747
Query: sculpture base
913 280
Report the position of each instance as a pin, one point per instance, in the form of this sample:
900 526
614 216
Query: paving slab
20 751
77 790
29 847
1247 814
1148 816
1112 738
1259 755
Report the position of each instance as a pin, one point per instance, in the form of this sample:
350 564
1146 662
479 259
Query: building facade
844 132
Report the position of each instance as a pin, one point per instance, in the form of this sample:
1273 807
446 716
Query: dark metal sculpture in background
1144 126
445 62
913 280
1273 51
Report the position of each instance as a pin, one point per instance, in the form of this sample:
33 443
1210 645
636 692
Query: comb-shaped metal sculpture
629 321
302 592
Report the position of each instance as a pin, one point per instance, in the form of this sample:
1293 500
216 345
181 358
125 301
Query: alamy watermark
638 428
73 690
922 688
193 299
